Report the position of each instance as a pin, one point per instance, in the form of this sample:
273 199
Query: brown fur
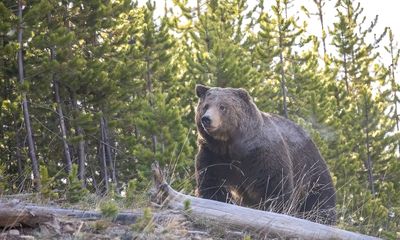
259 159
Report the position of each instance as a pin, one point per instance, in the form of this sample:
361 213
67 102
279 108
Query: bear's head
223 112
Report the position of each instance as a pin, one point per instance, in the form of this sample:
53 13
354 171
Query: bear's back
304 154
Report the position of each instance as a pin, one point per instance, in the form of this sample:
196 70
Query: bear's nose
206 121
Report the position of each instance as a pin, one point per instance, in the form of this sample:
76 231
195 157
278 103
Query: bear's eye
206 107
222 108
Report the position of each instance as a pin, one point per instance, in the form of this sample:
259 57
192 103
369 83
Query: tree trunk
31 143
94 181
56 85
108 151
198 6
102 156
18 156
320 4
81 144
81 156
396 114
149 88
394 61
282 70
368 145
346 71
267 223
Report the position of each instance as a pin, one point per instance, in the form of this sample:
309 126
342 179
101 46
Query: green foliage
47 184
135 196
3 180
131 191
363 126
75 190
109 208
144 223
101 225
247 237
187 205
126 86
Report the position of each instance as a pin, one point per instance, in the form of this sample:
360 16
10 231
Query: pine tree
75 192
215 54
279 34
27 121
158 130
320 4
394 52
363 123
11 149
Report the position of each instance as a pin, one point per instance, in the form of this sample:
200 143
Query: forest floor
171 225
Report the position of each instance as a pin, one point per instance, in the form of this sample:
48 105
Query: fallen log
264 222
21 214
12 216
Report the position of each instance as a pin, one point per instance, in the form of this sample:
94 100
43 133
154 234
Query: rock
67 228
13 232
27 237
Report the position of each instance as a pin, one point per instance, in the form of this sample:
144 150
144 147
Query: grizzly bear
258 159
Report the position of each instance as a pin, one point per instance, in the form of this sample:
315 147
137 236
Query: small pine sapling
187 206
145 223
109 209
2 179
46 182
131 192
75 190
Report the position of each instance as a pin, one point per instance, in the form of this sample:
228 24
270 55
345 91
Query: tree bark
268 223
368 146
12 215
81 144
108 151
31 143
282 70
149 88
393 67
102 155
18 156
81 156
320 4
56 85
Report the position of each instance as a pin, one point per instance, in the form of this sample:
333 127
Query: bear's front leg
210 185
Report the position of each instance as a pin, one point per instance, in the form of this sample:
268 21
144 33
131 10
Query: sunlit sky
387 10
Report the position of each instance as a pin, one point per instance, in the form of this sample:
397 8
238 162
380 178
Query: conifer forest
93 92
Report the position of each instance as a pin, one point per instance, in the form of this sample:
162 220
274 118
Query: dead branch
269 223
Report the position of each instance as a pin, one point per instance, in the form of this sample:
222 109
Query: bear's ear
201 90
243 94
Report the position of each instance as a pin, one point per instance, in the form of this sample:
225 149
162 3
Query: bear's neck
216 145
250 125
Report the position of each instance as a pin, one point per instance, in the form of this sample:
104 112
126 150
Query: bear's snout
206 121
211 120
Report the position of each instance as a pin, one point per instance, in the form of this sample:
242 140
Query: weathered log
122 217
11 216
14 213
264 222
